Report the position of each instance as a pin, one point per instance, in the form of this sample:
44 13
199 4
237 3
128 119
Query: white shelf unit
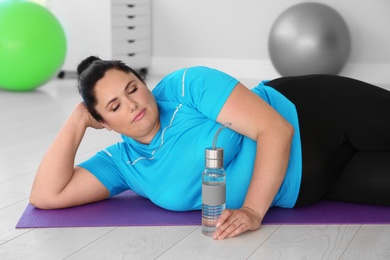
110 29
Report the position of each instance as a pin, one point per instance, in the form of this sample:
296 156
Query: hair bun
86 63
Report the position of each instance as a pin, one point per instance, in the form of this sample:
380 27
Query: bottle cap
214 157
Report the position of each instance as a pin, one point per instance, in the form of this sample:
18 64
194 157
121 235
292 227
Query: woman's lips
139 116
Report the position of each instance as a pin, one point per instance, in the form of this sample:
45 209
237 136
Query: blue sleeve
201 88
104 166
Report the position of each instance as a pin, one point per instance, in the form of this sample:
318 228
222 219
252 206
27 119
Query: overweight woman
292 141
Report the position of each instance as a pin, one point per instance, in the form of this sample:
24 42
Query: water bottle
213 187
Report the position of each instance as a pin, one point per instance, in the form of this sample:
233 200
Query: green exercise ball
32 45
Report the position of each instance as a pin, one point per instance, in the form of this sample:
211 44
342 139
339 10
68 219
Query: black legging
345 134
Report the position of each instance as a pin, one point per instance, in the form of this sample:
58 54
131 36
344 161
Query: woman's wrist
253 211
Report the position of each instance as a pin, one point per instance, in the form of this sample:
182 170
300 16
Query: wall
233 34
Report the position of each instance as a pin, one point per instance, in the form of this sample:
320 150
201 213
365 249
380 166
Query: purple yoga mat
129 209
125 209
329 212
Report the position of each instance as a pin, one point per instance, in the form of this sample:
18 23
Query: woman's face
127 106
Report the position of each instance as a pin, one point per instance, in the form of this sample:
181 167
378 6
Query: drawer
137 60
124 47
131 33
130 20
129 9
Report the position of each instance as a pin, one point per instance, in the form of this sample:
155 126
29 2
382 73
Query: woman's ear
105 125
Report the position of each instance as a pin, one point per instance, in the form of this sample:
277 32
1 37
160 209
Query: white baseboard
263 69
253 69
377 74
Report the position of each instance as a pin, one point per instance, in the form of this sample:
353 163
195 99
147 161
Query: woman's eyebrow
125 90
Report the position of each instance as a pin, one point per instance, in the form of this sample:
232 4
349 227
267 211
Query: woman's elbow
290 130
40 202
287 131
37 203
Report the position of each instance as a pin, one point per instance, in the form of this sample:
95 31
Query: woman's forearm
57 166
272 157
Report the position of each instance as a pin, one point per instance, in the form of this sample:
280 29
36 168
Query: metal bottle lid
214 157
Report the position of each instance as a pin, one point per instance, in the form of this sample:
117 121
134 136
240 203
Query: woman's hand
87 117
234 222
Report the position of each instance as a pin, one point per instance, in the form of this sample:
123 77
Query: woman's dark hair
90 71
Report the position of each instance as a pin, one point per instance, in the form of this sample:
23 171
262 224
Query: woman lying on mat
292 142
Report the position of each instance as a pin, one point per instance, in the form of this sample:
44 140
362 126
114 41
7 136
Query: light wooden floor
28 123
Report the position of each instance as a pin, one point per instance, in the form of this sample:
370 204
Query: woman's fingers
91 122
221 223
232 228
234 222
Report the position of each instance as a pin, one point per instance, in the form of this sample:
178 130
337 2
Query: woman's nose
132 105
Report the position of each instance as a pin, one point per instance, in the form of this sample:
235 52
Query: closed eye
132 90
115 108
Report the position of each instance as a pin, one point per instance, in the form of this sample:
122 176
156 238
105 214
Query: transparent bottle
213 190
213 186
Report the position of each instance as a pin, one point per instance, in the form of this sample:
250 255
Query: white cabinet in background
110 29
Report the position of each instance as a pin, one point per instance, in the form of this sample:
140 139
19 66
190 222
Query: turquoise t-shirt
168 171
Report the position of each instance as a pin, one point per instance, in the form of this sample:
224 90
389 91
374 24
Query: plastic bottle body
213 198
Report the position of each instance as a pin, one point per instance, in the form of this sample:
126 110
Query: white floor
29 121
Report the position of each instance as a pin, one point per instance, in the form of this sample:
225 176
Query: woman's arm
254 118
58 183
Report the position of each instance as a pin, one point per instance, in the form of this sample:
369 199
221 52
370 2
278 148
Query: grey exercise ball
309 38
